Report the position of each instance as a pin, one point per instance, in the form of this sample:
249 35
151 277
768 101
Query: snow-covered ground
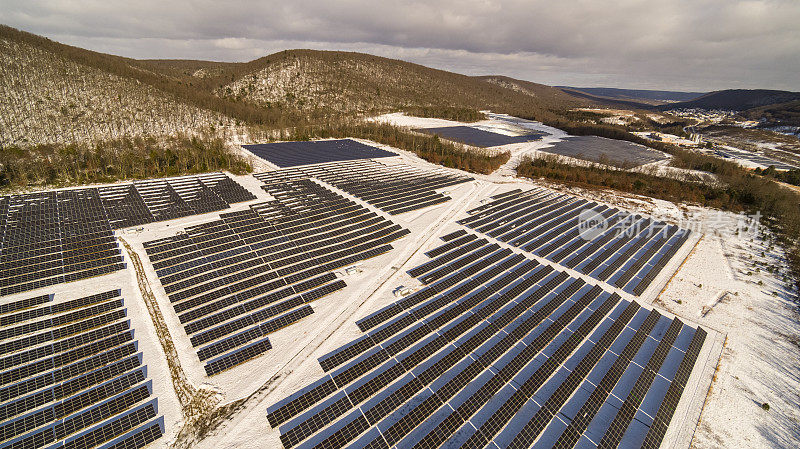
506 124
726 284
670 138
758 323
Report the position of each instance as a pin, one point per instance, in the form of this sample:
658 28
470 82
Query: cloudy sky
692 45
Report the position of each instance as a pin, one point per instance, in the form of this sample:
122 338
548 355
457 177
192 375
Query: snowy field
729 285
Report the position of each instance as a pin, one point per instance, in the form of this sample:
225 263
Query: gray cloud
671 44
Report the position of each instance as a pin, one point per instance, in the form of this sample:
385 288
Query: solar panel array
72 376
395 188
731 153
599 149
235 280
480 138
53 237
497 350
152 200
624 250
291 154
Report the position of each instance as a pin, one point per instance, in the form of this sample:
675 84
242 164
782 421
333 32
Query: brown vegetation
108 161
789 177
598 175
427 147
783 114
740 191
319 91
458 114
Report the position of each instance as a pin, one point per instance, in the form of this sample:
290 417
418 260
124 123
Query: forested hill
56 93
738 99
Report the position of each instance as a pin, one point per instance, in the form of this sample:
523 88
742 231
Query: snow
758 324
741 161
760 361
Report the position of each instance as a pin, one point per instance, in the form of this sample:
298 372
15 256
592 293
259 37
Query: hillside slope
56 93
655 97
776 115
737 99
638 94
50 99
50 96
357 83
548 95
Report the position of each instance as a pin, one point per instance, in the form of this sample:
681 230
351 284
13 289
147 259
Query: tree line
738 191
54 165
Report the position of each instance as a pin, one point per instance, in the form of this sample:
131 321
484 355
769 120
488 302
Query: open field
724 298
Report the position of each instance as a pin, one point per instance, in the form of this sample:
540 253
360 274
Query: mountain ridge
737 99
279 91
636 94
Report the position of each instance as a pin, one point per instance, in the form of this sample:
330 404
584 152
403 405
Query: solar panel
456 361
72 377
730 153
234 280
54 237
395 189
24 303
291 154
610 151
480 138
62 236
625 250
453 235
237 357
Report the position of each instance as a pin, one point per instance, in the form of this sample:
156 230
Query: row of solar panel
610 245
326 248
71 376
235 280
394 189
753 157
509 355
54 237
290 154
48 238
148 201
480 138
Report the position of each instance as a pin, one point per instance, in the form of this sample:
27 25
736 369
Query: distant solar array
72 376
598 149
53 237
235 280
479 138
395 188
292 154
613 246
731 153
497 350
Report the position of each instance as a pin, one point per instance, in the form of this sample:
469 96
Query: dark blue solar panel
478 137
75 381
599 149
528 362
291 154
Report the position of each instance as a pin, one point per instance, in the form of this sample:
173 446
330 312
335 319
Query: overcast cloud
669 44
